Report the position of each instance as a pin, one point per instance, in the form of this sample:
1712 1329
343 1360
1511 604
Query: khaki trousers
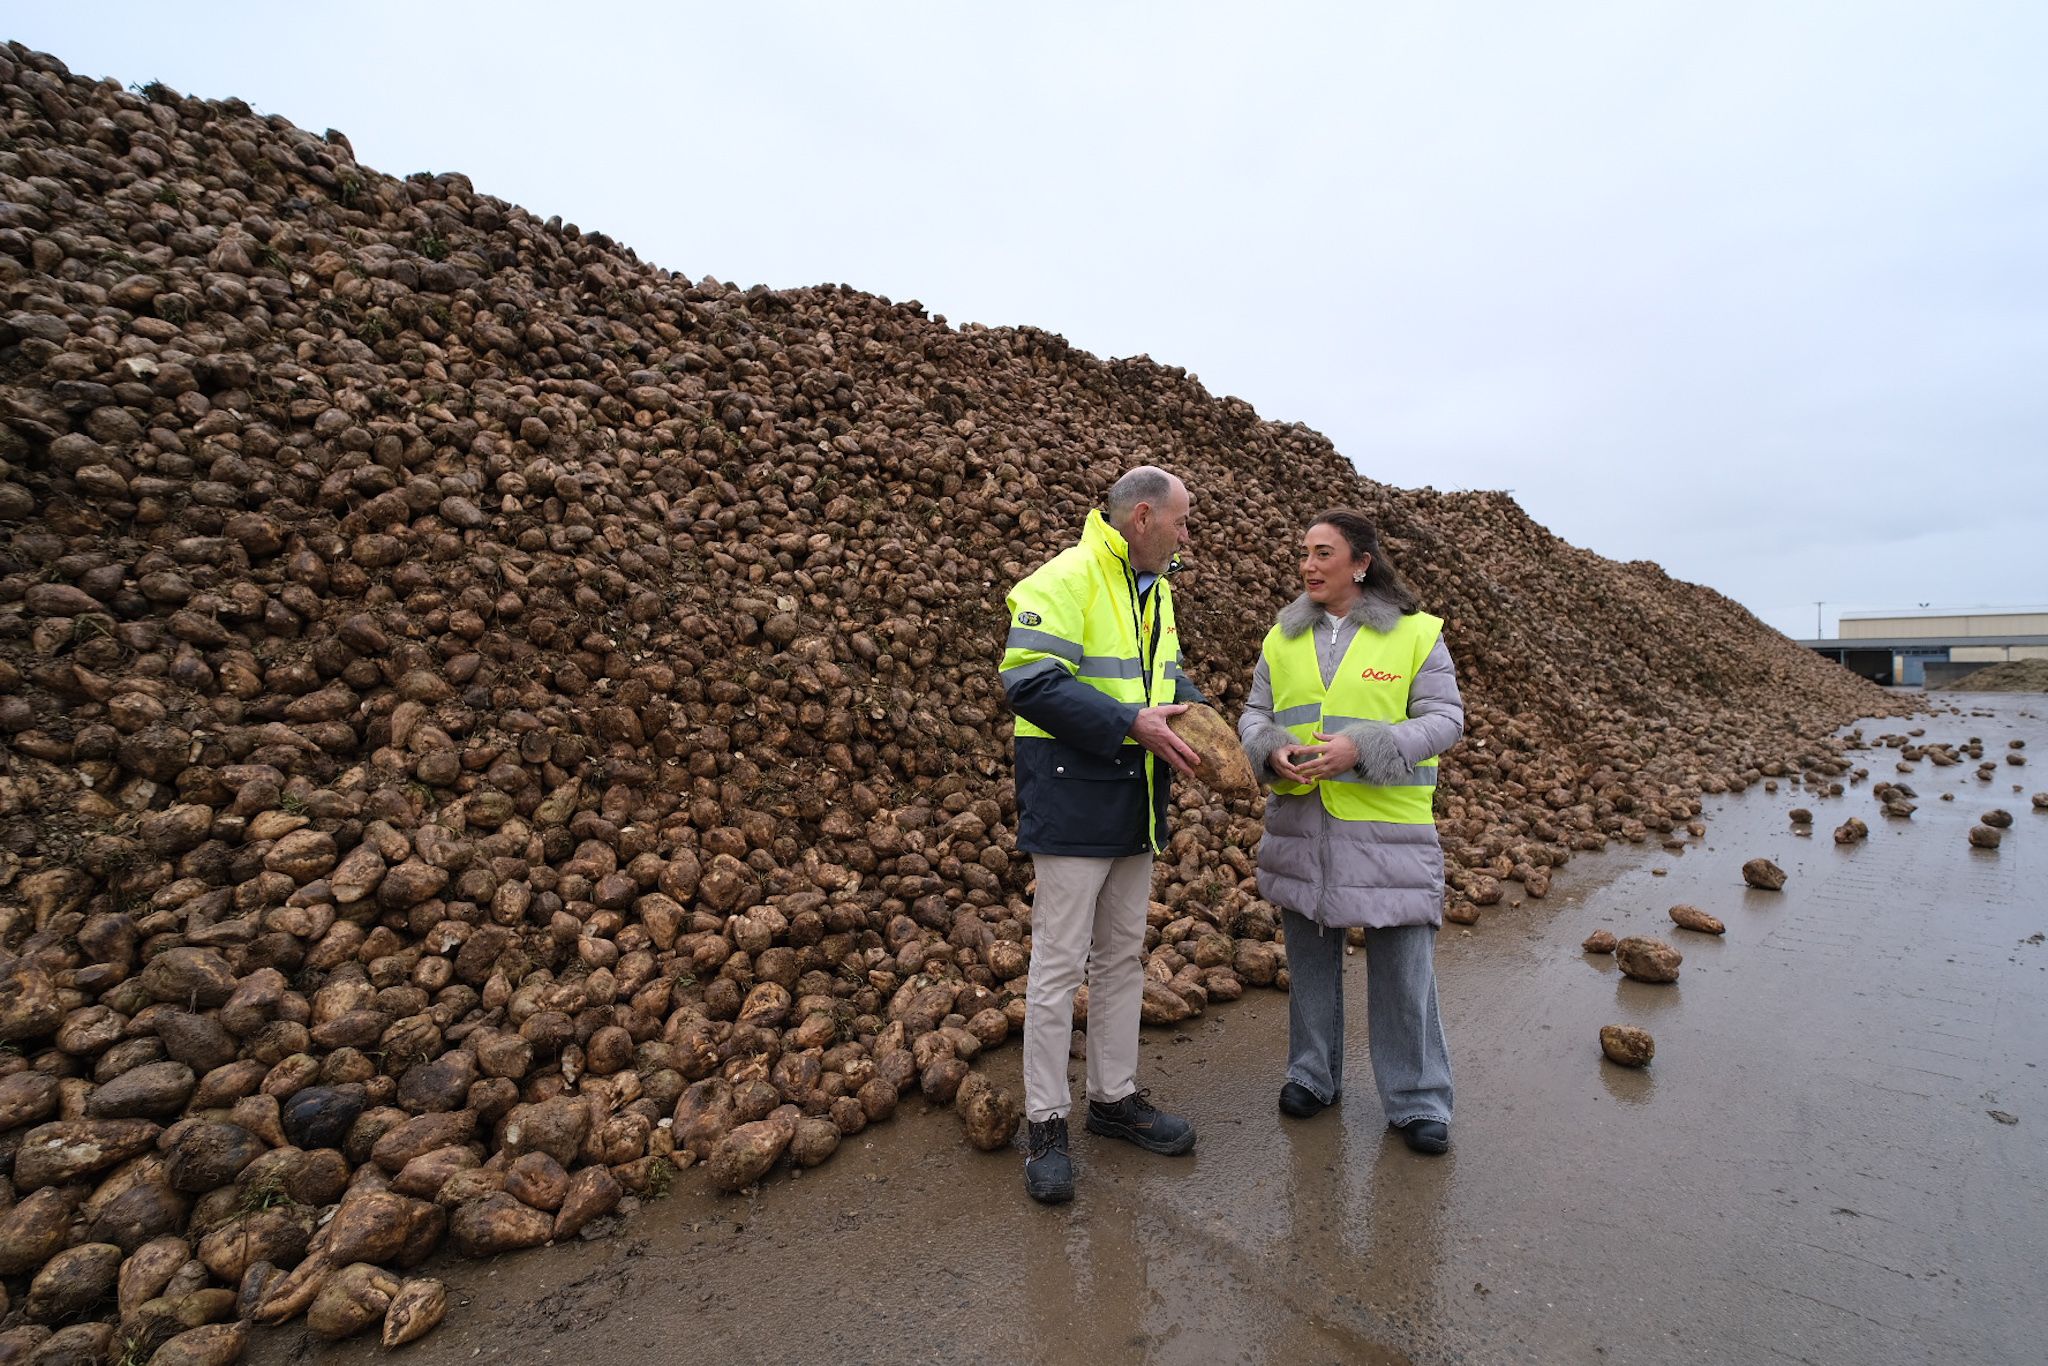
1088 916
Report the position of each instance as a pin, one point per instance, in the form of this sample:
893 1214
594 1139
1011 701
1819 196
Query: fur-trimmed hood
1372 609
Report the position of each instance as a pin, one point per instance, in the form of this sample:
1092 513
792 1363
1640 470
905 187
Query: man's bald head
1145 484
1149 507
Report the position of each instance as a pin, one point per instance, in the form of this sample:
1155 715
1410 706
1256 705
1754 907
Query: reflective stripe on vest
1371 684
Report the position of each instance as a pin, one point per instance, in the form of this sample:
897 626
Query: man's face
1157 530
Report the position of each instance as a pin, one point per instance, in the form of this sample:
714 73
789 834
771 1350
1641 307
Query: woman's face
1328 568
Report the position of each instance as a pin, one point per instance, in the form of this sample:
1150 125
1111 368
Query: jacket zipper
1145 684
1323 812
1138 627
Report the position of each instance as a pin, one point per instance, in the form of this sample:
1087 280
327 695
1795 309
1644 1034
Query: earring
1358 578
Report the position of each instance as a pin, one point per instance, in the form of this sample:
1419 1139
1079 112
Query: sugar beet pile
490 724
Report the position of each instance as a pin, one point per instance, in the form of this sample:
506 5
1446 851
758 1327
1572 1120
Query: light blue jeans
1410 1060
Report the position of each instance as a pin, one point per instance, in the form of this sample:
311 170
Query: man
1092 670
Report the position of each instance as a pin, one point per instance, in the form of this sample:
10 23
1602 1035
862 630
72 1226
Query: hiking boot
1133 1120
1426 1135
1299 1101
1048 1171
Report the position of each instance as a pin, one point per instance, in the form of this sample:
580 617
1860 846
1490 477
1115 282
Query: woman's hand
1336 755
1281 761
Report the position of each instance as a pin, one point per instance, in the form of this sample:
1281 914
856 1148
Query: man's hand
1151 731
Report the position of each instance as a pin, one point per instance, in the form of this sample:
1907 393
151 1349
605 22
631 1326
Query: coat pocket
1071 801
1073 765
1290 848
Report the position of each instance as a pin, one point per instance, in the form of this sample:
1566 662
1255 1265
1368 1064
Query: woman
1353 699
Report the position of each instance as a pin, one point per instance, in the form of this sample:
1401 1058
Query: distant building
1929 648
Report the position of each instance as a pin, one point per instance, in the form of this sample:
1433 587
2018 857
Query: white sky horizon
1759 292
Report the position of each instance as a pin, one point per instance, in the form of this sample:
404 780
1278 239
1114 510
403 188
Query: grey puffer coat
1343 873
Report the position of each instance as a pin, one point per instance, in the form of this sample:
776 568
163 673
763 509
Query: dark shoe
1048 1171
1135 1121
1426 1136
1299 1101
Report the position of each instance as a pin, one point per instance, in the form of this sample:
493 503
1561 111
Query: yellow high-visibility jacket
1086 653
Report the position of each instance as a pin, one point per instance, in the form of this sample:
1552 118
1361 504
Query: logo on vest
1029 618
1376 676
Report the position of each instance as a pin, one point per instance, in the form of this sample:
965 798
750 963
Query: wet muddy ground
1810 1171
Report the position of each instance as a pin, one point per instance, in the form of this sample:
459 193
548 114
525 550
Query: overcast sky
1756 290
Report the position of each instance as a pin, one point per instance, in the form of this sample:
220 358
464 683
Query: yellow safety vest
1080 612
1371 684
